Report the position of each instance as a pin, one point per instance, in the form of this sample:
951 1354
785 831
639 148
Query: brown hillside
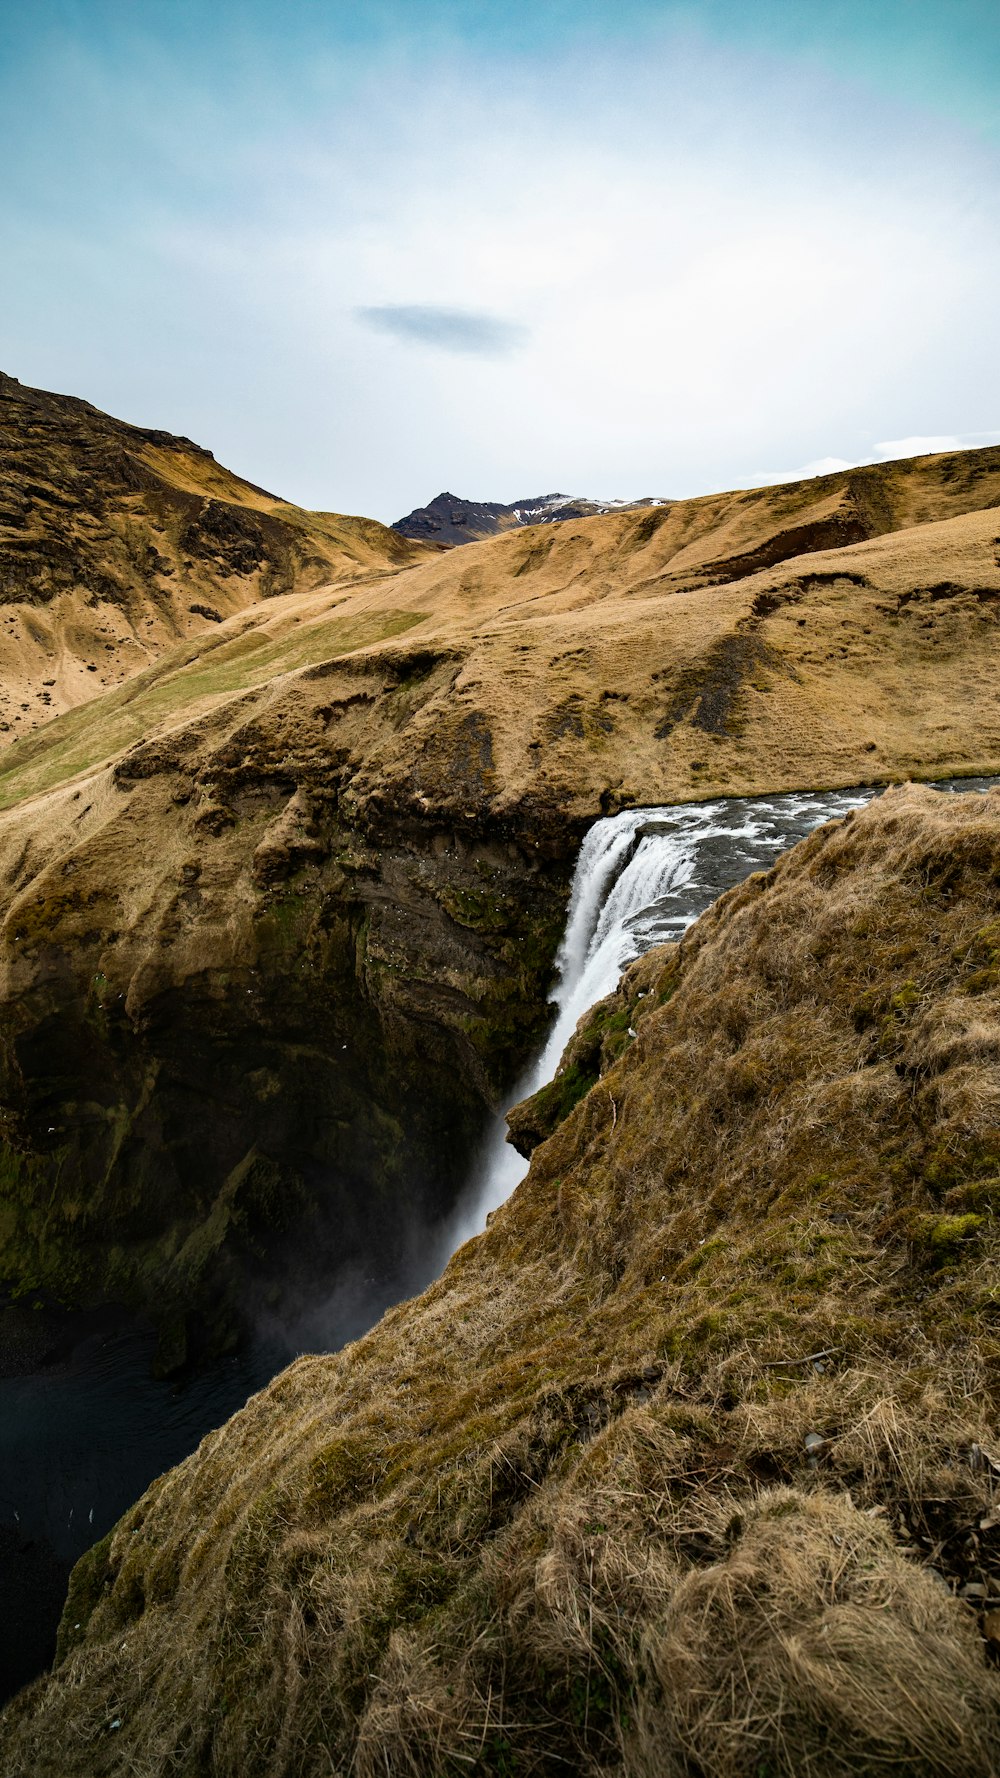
690 1464
564 661
116 543
277 915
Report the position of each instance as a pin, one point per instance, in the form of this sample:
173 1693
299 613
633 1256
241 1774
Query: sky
367 252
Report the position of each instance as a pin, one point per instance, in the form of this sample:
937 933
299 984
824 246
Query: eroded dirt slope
691 1463
117 542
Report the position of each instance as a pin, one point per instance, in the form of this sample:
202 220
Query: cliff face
116 542
232 1014
278 913
690 1462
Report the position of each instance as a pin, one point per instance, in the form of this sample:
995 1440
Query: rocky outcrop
690 1461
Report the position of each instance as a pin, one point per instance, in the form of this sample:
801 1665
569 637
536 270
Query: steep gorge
276 1023
279 909
690 1463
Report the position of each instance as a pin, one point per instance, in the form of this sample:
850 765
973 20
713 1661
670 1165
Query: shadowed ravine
83 1426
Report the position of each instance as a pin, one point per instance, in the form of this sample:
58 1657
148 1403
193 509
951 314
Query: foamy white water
643 877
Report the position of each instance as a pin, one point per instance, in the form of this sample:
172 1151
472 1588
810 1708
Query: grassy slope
682 1467
644 656
190 681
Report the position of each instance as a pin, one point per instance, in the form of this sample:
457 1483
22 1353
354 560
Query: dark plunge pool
84 1428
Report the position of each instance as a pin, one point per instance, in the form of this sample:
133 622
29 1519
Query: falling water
643 877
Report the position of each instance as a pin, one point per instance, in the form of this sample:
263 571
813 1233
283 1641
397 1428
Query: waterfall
643 877
627 868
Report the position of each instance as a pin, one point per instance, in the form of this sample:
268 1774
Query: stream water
84 1428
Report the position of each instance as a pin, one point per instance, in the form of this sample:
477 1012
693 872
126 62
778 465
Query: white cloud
890 448
716 266
766 478
918 446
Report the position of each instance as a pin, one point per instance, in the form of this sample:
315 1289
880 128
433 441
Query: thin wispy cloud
450 330
918 445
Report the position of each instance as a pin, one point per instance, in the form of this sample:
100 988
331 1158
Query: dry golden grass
544 676
690 1464
821 631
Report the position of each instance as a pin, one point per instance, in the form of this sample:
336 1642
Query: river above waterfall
83 1426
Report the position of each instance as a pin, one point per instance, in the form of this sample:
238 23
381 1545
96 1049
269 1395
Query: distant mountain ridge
449 520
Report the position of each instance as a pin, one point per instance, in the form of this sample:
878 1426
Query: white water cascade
643 877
